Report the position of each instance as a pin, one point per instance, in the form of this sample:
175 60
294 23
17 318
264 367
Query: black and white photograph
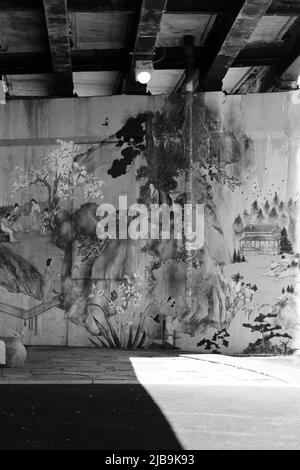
149 227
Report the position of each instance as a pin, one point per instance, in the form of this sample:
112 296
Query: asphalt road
232 417
163 417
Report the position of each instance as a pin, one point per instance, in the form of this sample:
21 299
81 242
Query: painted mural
62 284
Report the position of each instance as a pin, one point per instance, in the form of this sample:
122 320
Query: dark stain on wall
132 134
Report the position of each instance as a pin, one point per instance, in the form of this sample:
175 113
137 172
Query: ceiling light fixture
143 77
143 69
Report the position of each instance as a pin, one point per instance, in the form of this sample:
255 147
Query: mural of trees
219 339
162 163
237 257
59 173
267 207
276 199
254 207
277 213
273 214
267 331
238 225
260 216
157 140
285 244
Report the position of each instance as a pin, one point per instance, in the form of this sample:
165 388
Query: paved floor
62 417
156 417
86 365
120 400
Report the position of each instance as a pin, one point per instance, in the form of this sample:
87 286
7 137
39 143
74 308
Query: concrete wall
245 172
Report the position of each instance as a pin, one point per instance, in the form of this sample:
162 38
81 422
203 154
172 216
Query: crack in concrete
238 367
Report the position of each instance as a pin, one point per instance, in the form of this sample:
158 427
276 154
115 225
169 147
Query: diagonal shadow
82 416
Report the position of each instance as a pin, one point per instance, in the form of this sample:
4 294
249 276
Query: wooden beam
147 33
208 7
59 39
291 52
100 60
126 6
259 55
82 61
284 8
228 40
130 37
122 6
25 63
227 7
20 5
120 59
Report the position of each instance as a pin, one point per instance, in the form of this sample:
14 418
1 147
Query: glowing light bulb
144 77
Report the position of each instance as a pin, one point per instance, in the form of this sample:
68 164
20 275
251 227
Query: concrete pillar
188 149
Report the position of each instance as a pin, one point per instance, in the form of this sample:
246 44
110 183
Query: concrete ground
150 400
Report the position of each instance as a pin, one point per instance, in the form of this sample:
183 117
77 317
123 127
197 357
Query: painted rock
2 352
15 351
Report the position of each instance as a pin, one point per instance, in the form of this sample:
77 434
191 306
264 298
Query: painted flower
114 295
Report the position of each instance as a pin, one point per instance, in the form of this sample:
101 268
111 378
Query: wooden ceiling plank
226 43
56 14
